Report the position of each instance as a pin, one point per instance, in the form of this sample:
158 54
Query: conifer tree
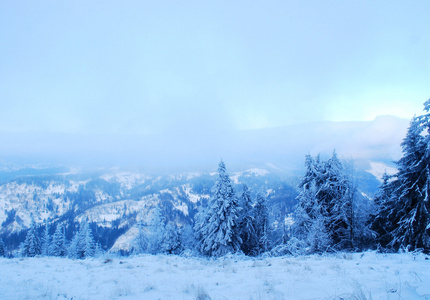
157 227
171 240
405 200
141 241
82 245
247 223
98 250
90 244
380 222
58 245
188 238
2 248
336 197
261 221
219 234
329 214
310 221
46 240
31 246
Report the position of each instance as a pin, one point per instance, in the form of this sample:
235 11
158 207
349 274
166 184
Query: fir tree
90 245
157 227
201 220
82 245
31 246
261 221
405 200
171 240
188 238
98 250
141 241
310 224
337 199
247 223
329 214
46 240
2 248
218 226
380 222
58 245
76 247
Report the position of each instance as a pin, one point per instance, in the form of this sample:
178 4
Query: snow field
341 276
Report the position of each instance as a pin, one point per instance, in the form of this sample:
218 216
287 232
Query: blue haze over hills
281 147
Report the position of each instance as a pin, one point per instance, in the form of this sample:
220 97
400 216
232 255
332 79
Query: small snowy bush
202 294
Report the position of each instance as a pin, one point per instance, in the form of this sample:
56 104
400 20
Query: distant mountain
33 185
114 200
283 147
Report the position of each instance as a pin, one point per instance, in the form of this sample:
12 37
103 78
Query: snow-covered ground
341 276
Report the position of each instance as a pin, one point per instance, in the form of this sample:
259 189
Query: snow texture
338 276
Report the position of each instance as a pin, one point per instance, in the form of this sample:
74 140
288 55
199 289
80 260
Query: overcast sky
199 67
161 66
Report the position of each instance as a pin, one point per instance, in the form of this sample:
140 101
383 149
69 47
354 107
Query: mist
283 148
180 86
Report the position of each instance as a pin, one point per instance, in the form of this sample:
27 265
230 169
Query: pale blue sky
139 67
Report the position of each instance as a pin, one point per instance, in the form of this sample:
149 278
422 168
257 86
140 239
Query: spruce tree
31 246
2 248
261 221
337 199
141 240
82 245
406 198
310 226
247 223
220 233
188 238
76 248
329 214
381 224
58 245
157 227
90 244
171 240
46 240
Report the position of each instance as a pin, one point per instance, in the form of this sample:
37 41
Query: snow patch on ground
340 276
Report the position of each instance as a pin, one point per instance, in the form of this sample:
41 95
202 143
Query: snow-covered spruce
261 224
330 215
247 223
46 240
403 218
31 246
218 226
59 243
83 245
2 248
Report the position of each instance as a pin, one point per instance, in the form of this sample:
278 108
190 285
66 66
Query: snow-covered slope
378 169
342 276
114 199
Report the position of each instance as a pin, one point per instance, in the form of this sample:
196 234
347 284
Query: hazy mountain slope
284 147
114 200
